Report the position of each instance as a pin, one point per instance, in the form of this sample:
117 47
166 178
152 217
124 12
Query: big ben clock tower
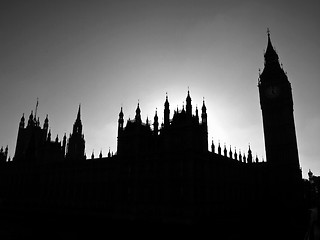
277 113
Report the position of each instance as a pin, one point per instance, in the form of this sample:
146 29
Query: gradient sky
108 54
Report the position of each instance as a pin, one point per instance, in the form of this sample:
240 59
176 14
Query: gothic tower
166 113
76 143
277 112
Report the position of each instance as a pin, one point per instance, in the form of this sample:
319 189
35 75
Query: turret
138 115
64 144
77 126
156 124
249 159
188 105
120 121
45 127
49 136
204 114
21 124
31 120
230 152
197 114
76 143
219 149
166 112
225 152
240 156
212 147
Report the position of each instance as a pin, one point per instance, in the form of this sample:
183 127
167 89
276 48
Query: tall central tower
277 112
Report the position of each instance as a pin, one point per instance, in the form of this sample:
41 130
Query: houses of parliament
163 173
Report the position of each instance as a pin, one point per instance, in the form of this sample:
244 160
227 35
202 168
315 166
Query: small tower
120 121
188 105
204 114
249 159
225 151
230 153
138 115
31 120
235 154
156 124
219 149
212 147
64 145
45 127
120 130
76 143
21 124
240 156
166 113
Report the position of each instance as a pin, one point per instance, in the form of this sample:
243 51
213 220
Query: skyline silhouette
164 175
97 53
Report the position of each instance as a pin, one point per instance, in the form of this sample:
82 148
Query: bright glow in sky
104 54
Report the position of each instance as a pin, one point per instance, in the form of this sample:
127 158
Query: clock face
272 91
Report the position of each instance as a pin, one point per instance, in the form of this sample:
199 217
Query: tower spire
188 104
270 55
36 110
166 113
79 110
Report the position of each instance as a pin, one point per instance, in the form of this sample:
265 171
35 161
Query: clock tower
277 113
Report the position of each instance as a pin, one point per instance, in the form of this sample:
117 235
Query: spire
235 154
78 115
36 110
197 114
46 122
270 55
212 147
225 152
49 136
166 113
138 114
240 156
204 113
77 126
121 113
188 104
249 159
155 123
31 121
21 125
120 121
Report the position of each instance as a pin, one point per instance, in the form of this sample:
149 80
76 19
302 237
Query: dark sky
108 54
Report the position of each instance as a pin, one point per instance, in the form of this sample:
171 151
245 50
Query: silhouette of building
183 133
34 143
165 173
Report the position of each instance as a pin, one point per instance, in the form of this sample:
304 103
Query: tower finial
78 115
268 32
35 112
